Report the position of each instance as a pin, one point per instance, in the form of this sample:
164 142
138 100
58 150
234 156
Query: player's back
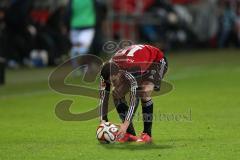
138 57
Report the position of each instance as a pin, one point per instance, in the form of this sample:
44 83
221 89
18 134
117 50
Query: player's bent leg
147 111
122 109
146 90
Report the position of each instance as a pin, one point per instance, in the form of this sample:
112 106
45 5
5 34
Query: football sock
122 110
147 111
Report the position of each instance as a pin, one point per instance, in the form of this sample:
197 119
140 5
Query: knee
147 87
145 92
146 99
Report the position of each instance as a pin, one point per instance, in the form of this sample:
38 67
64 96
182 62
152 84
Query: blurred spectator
2 66
82 22
17 38
183 1
126 17
171 26
238 23
51 36
3 7
204 20
227 21
100 37
154 21
33 27
157 33
58 31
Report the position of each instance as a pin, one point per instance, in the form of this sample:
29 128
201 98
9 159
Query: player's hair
108 69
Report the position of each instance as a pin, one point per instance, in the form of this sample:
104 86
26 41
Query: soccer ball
106 132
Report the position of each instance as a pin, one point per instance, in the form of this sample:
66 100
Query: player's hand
122 129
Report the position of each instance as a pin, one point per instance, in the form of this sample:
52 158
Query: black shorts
155 73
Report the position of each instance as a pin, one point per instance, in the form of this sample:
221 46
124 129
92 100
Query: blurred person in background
57 30
2 56
238 23
100 27
82 20
156 33
227 21
17 38
126 15
51 35
172 27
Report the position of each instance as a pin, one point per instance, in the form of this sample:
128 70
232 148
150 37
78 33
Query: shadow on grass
186 140
134 146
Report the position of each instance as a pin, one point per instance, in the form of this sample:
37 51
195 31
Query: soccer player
137 69
82 22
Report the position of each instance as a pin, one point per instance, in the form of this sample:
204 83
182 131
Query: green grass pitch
205 82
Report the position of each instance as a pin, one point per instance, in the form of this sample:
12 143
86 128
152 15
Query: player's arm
132 105
104 91
133 88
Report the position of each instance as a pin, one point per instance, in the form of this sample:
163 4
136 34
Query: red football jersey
137 57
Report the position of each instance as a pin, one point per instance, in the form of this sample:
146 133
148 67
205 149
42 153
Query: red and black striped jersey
138 57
